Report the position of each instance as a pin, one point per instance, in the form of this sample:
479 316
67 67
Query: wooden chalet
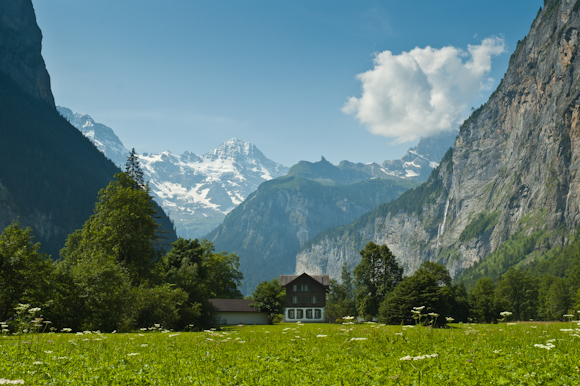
305 297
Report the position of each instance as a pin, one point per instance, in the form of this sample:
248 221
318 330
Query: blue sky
188 75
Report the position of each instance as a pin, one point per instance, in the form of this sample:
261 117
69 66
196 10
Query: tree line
112 275
377 290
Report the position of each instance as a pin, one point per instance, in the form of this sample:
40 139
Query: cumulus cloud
424 91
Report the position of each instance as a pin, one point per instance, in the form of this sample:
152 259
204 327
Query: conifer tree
133 170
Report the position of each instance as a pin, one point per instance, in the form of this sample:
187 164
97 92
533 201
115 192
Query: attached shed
237 311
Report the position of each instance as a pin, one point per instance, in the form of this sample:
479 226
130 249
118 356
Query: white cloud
424 91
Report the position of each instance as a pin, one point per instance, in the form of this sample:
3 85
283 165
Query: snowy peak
103 137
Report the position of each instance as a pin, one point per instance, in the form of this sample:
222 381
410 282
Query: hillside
271 225
509 190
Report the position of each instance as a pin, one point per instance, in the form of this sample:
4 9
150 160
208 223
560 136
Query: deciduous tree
269 297
377 274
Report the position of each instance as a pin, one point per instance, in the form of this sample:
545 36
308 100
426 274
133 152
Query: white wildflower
4 381
321 336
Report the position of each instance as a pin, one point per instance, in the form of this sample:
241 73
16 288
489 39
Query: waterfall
444 218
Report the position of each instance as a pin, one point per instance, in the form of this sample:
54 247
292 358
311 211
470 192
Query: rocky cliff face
20 49
513 170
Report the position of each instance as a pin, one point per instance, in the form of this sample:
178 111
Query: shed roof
287 279
233 305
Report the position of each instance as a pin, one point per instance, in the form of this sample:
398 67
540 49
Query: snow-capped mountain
103 137
195 191
198 191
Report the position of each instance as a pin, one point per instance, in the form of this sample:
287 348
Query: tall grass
295 354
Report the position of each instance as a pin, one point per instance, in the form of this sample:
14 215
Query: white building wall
242 318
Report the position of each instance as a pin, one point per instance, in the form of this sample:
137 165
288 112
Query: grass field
294 354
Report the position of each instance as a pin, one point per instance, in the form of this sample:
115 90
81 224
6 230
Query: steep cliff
509 189
20 49
50 173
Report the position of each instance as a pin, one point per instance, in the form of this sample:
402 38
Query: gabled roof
322 279
233 305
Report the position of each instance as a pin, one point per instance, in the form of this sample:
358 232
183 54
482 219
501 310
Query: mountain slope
269 227
511 179
50 173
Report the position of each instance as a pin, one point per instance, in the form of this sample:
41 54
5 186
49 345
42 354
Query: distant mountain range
276 220
270 227
197 191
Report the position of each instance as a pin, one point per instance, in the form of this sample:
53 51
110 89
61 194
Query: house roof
287 279
233 305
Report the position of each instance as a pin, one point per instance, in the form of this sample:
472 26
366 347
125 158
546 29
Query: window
299 314
291 314
317 314
309 313
294 299
295 287
314 299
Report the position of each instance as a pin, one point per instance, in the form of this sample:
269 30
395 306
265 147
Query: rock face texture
513 171
20 49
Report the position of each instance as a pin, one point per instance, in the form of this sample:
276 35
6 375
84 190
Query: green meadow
301 354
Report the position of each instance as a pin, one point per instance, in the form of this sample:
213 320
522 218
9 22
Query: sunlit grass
293 354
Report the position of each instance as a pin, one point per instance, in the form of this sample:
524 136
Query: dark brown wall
304 297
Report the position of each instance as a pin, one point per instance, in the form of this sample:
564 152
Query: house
237 311
305 297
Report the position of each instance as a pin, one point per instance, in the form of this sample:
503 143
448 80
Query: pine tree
133 170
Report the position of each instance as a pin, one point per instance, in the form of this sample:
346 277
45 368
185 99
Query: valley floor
295 354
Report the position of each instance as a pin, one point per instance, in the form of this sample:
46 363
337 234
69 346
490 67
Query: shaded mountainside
271 225
509 190
50 173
